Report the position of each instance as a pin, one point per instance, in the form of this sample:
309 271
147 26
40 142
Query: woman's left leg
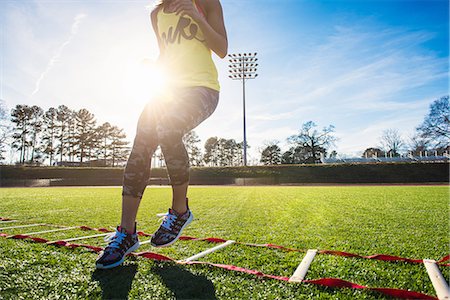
194 105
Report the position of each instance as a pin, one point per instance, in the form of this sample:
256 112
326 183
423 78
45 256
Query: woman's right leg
137 172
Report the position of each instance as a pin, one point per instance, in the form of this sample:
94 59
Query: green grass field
408 221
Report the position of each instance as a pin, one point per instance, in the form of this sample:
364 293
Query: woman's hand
186 7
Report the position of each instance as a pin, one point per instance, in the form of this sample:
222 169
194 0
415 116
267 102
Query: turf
408 221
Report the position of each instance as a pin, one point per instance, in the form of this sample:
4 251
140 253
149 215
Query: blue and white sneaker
120 245
171 228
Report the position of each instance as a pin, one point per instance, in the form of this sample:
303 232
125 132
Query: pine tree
36 129
191 140
50 131
271 154
21 117
211 149
85 124
104 136
118 145
63 116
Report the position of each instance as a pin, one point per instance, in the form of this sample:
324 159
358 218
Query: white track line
22 226
439 283
10 221
303 267
208 251
52 230
80 238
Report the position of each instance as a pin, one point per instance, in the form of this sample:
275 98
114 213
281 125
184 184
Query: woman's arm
213 26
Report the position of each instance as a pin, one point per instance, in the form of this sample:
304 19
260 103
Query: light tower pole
243 66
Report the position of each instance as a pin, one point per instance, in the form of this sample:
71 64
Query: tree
104 135
36 124
228 152
21 117
191 140
118 146
50 131
63 117
84 132
271 154
72 139
392 142
436 126
223 152
310 143
301 155
418 145
211 156
5 129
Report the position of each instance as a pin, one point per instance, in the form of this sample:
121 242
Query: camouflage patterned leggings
164 122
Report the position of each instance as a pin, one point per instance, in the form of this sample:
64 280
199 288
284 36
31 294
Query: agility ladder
440 285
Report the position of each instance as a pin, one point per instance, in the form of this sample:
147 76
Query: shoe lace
167 220
115 239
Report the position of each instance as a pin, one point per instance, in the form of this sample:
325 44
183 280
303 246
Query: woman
187 32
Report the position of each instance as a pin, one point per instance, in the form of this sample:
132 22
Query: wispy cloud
361 74
363 79
358 65
74 29
273 117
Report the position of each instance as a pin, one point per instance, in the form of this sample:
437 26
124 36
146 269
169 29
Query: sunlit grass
406 221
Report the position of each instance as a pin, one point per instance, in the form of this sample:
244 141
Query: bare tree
5 129
436 126
392 141
418 145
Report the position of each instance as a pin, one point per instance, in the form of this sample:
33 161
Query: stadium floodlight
243 67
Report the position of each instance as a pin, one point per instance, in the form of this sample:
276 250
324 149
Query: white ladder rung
439 283
52 230
208 251
80 238
144 242
22 226
303 267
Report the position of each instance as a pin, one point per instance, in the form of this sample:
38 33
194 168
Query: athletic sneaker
171 228
120 245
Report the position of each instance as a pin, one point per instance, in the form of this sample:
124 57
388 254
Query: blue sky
363 66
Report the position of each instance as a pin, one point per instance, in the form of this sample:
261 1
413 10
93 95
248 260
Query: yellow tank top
186 56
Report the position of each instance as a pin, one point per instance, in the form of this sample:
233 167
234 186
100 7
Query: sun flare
144 80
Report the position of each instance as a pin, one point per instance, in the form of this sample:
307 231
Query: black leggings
164 122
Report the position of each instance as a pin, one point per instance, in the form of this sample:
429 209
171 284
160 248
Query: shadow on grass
115 283
184 284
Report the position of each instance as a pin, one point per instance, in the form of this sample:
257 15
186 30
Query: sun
144 80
